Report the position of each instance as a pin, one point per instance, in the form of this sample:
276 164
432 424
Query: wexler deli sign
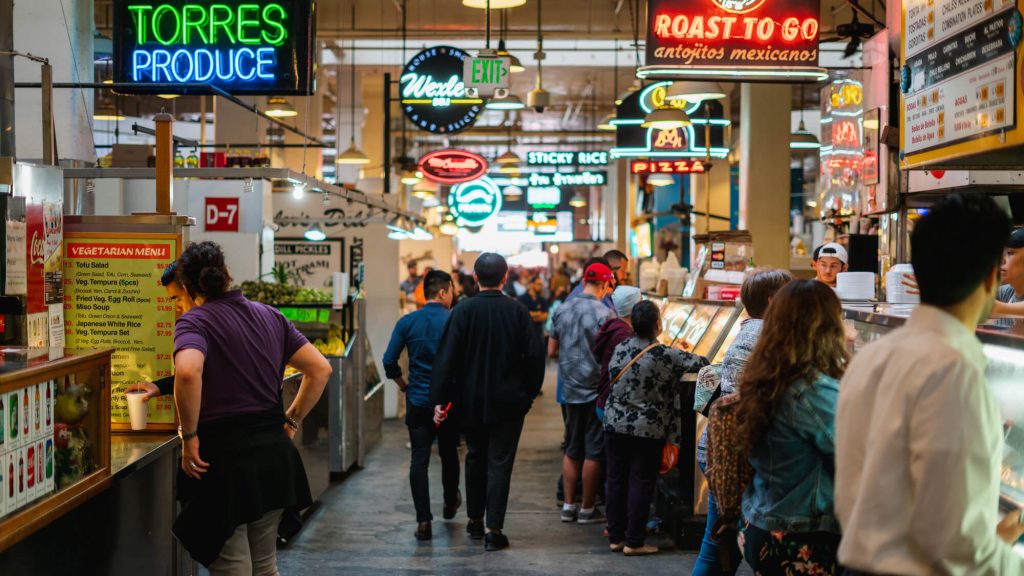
733 39
241 46
433 94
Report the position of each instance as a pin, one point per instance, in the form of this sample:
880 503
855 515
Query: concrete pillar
764 170
622 203
39 28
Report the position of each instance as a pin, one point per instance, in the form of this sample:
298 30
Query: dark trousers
422 432
491 452
632 469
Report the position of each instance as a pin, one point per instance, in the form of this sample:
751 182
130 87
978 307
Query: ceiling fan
854 31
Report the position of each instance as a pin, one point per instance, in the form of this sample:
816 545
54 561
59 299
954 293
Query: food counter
1003 340
706 328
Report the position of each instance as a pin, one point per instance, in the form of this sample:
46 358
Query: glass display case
1003 340
54 435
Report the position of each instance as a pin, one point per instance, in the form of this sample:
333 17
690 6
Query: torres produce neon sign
242 46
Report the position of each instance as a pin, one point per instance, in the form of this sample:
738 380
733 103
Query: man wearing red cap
573 332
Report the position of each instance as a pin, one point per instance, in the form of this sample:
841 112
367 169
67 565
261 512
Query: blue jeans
707 560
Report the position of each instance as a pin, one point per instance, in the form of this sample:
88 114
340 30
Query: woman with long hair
786 413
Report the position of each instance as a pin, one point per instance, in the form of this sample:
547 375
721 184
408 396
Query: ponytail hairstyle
201 270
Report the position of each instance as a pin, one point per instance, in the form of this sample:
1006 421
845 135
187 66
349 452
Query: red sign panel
221 214
666 166
35 233
732 34
452 166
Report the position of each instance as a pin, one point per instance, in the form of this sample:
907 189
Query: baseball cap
625 298
832 250
1016 239
598 273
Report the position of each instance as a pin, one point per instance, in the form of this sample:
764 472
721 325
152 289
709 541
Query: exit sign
485 76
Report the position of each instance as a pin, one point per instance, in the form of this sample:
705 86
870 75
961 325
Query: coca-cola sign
452 166
433 95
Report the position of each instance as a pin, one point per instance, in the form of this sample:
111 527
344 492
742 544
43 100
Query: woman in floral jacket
639 416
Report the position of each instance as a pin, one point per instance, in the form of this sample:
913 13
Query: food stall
706 328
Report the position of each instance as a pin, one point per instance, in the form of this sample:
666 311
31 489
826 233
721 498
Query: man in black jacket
490 366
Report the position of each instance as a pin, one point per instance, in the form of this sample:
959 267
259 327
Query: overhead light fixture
419 233
666 118
512 192
514 66
632 88
802 139
352 154
424 189
660 180
606 123
694 91
508 157
315 233
395 225
280 107
298 190
512 169
398 235
507 102
577 200
410 177
493 4
449 227
106 110
168 96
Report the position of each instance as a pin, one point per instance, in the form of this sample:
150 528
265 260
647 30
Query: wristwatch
187 435
291 422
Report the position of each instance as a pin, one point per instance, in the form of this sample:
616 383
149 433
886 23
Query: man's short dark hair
616 255
956 246
434 282
490 269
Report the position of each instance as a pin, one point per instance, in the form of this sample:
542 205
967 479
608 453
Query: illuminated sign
732 39
241 46
579 158
544 196
666 166
586 178
632 140
433 95
474 203
452 166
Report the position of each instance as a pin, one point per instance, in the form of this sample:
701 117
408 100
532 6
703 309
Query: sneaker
645 550
594 517
570 515
423 531
450 510
475 528
617 547
495 541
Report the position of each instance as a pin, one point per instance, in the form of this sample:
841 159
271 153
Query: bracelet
187 435
291 422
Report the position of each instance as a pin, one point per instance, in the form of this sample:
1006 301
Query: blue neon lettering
264 59
201 76
176 65
238 64
221 74
137 58
161 61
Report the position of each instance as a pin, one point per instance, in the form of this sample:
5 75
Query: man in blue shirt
419 333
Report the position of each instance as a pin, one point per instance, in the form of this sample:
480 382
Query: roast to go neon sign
765 29
197 43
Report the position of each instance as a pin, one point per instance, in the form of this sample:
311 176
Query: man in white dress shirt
919 438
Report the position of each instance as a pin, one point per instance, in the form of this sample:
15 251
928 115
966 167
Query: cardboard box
131 155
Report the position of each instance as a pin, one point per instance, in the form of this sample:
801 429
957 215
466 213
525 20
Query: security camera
538 99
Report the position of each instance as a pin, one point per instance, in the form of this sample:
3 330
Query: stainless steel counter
1003 331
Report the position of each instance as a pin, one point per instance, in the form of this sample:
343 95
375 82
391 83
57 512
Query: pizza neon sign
666 167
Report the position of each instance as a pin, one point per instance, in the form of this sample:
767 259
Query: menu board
961 92
113 299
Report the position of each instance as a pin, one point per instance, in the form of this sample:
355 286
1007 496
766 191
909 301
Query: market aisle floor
366 523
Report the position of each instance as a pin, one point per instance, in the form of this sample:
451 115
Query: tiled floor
365 524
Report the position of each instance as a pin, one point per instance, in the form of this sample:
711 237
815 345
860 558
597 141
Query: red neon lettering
765 29
749 23
809 29
661 24
790 29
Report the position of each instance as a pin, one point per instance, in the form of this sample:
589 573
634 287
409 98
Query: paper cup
137 409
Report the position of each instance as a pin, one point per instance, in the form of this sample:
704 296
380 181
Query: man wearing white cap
829 260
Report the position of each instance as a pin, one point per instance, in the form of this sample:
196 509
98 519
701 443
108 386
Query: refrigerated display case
1003 343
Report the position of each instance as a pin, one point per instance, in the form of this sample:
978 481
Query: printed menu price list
114 299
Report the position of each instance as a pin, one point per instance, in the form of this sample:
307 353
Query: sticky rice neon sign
192 24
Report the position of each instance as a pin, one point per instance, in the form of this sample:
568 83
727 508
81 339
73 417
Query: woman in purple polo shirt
240 467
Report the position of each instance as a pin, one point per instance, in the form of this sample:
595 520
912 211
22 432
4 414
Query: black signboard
433 95
240 46
634 141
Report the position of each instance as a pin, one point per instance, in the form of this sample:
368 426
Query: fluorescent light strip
817 74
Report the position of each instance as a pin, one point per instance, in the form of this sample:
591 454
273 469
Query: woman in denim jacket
787 414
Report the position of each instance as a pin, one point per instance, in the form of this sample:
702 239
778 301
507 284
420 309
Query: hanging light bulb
410 177
666 118
512 192
280 107
315 233
298 190
660 180
507 102
449 227
577 200
106 110
509 157
606 123
352 155
395 225
803 139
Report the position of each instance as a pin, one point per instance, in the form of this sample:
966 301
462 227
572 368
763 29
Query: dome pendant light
279 107
352 155
315 233
803 139
694 91
493 4
666 118
539 98
577 200
660 180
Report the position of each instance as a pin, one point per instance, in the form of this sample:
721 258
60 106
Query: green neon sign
192 24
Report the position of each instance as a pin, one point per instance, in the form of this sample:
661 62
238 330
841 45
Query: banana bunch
335 344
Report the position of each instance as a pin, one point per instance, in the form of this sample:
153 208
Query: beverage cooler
705 328
1003 341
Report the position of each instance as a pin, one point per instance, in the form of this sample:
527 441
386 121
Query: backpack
729 473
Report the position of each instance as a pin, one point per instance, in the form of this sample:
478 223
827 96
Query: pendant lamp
508 102
694 91
493 4
352 155
660 180
666 118
280 107
577 200
315 233
803 139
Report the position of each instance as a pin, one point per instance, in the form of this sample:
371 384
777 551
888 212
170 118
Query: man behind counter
1012 269
828 261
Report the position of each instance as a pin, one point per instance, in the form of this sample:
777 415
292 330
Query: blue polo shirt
419 333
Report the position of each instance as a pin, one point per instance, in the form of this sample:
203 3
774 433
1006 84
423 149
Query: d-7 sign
486 76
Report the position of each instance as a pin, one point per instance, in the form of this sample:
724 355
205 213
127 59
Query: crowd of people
823 487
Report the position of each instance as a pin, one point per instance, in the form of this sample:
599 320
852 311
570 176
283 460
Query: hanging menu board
113 299
960 84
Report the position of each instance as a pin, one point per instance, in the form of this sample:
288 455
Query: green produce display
276 294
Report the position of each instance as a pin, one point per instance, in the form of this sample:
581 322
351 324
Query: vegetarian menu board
960 84
113 299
